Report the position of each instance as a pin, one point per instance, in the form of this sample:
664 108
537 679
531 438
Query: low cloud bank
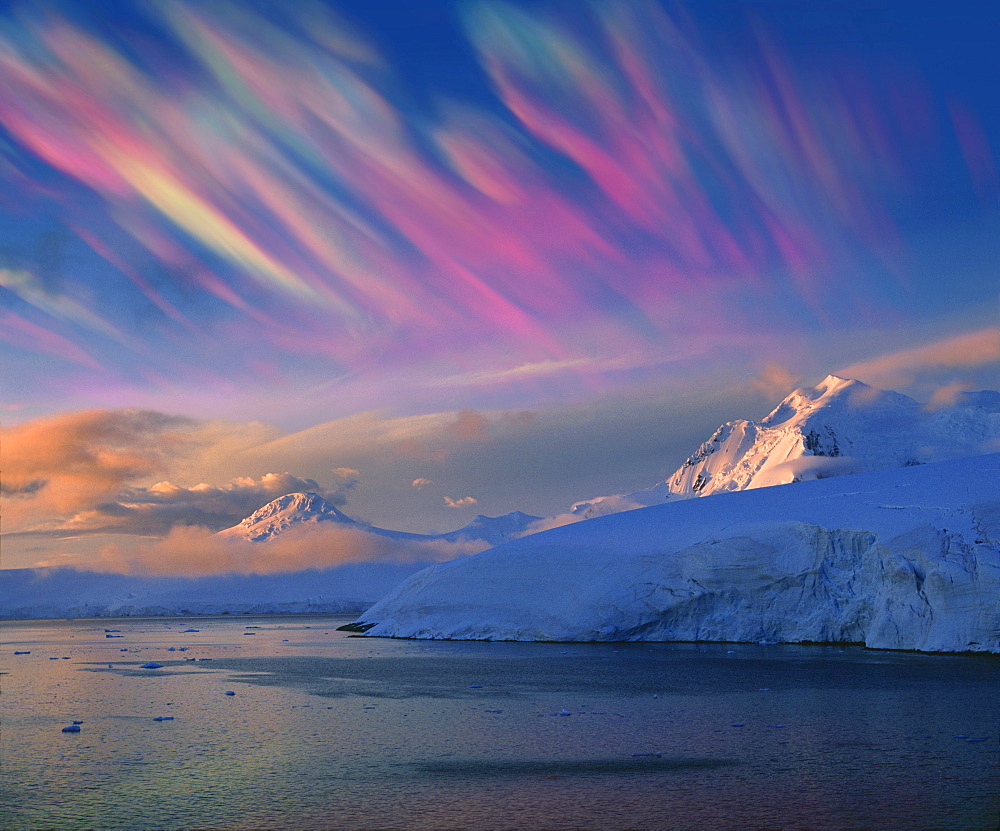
196 551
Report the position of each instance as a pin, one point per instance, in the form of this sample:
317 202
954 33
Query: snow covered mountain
307 509
839 426
299 509
494 530
900 559
347 588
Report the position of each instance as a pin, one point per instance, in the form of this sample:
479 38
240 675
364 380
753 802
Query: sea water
328 731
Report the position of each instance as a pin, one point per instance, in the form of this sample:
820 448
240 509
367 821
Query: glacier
907 558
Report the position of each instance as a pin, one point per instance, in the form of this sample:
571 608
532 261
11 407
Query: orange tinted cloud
71 462
899 369
195 551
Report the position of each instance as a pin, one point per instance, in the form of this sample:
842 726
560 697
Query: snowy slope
901 559
839 426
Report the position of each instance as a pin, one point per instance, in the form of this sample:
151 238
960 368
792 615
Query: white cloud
464 502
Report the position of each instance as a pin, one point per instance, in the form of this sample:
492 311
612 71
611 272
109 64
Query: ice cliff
900 559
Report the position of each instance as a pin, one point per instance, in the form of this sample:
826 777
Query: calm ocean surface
326 731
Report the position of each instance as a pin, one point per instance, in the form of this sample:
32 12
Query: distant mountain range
839 426
296 510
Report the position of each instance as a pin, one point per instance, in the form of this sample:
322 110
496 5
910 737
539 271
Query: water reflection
326 731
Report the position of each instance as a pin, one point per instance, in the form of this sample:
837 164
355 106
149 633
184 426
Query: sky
434 259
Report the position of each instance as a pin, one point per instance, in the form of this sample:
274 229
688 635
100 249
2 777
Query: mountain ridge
839 426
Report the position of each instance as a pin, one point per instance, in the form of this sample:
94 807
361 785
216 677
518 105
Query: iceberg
900 559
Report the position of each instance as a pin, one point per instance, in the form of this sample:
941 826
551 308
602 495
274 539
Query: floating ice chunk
192 630
114 636
204 659
738 724
976 739
112 630
647 754
72 728
77 722
230 692
764 689
26 652
151 665
164 718
565 713
475 686
171 649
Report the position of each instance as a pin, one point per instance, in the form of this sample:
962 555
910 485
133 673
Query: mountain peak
839 426
279 514
300 505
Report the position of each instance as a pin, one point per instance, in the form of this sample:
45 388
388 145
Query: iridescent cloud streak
281 169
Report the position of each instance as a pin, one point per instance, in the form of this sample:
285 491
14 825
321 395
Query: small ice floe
53 659
639 755
171 649
764 689
230 692
112 630
72 728
565 713
114 636
23 652
249 633
163 718
77 722
656 695
191 630
738 724
475 686
961 736
493 711
204 659
976 739
123 650
151 665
